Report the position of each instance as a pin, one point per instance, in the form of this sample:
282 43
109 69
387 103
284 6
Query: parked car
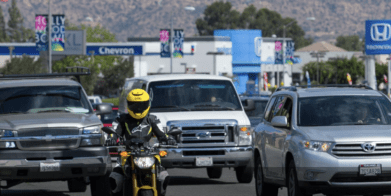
332 139
257 105
49 132
216 130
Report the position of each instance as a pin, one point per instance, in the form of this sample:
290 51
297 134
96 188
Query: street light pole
50 39
171 44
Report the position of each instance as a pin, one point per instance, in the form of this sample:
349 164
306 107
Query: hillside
144 18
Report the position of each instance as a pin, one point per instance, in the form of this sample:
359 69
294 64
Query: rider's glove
171 141
111 142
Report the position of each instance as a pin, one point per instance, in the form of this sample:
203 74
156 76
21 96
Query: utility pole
171 42
50 39
11 48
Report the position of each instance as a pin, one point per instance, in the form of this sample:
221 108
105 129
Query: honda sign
377 37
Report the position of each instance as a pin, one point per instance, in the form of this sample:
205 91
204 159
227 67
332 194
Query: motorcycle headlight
144 162
316 145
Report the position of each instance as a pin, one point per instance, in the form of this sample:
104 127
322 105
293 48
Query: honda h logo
380 32
368 147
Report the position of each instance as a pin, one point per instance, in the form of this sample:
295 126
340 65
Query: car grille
355 150
48 144
206 132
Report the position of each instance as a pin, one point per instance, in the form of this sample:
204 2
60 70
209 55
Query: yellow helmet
138 103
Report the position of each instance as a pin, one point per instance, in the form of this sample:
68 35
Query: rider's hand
111 142
171 141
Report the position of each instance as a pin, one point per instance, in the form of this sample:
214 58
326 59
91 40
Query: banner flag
57 35
178 43
278 52
165 43
265 83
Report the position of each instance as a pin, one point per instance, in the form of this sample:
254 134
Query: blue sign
178 43
377 37
115 50
19 50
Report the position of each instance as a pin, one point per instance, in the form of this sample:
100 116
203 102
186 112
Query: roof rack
294 88
80 71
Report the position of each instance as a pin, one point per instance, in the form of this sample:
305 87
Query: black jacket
144 128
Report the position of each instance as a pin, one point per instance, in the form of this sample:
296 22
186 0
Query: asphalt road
189 182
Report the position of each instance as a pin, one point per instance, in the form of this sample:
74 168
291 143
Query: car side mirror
250 105
280 121
103 108
174 132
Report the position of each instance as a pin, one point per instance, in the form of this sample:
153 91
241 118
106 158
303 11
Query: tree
3 30
350 43
94 34
220 16
18 33
334 72
114 76
87 82
23 65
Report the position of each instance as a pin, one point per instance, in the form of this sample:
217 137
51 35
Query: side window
287 111
277 107
139 84
267 111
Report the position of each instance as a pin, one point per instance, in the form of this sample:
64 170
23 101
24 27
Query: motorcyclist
142 124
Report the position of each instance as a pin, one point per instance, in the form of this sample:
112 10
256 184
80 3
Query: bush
114 101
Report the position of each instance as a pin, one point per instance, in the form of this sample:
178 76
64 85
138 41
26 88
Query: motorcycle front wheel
145 193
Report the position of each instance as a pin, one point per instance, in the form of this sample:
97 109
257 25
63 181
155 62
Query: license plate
370 169
49 167
204 161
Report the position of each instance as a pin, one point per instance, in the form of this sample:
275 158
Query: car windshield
43 99
344 110
193 95
109 118
259 108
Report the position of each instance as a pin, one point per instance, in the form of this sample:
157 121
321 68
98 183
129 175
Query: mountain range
144 18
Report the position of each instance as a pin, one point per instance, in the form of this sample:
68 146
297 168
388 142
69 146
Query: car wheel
77 185
262 188
293 185
100 185
244 174
214 172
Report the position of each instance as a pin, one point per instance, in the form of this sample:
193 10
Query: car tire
244 174
127 187
77 185
214 172
262 188
100 185
292 182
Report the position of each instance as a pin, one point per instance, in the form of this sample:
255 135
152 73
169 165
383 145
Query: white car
94 99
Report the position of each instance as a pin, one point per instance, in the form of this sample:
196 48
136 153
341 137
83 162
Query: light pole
214 59
189 8
283 53
317 55
50 38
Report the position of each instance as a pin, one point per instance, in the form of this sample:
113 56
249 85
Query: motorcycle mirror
109 130
174 132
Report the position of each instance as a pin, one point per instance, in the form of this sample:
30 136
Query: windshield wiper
171 106
214 105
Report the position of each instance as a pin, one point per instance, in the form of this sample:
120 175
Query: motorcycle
141 165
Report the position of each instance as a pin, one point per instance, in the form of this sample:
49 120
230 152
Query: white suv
333 140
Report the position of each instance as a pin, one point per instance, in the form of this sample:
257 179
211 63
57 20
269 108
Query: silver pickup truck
49 132
216 130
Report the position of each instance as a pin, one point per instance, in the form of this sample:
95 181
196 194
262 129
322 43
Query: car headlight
7 133
245 135
144 162
92 130
316 145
